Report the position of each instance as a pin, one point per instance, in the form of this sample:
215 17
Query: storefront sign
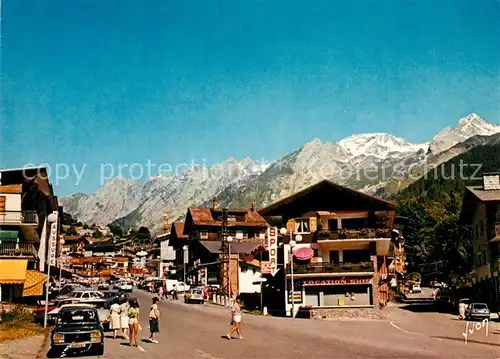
297 297
335 281
265 267
272 246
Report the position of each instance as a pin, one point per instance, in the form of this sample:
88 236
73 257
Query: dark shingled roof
484 195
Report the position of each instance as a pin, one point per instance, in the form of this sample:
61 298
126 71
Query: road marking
205 355
413 333
404 331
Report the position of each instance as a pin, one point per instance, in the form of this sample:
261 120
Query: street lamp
292 243
184 257
229 239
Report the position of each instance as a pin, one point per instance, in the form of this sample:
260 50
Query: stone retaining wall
346 313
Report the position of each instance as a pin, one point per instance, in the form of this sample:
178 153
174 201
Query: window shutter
313 224
290 226
2 203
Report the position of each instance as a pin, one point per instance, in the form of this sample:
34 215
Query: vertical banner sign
272 245
53 244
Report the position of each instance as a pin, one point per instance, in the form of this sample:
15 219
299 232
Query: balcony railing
17 249
28 217
362 233
332 268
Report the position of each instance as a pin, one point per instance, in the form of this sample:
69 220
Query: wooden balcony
362 233
19 217
317 268
18 250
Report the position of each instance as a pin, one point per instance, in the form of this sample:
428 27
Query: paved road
195 331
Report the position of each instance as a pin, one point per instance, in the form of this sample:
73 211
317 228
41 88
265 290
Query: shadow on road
427 307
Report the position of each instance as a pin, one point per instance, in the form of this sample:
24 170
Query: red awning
303 253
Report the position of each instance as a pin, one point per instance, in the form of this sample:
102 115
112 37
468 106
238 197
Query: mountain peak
469 126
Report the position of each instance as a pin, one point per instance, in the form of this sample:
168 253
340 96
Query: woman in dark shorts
154 317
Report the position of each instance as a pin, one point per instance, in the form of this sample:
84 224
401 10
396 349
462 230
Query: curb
44 349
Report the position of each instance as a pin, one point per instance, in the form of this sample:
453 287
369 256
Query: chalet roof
326 196
205 217
484 195
74 238
236 247
178 227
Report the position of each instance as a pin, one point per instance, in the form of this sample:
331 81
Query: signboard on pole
272 246
53 244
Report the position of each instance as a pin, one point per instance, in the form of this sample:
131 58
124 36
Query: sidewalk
27 348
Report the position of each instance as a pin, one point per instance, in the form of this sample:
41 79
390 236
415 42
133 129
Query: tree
67 220
97 234
85 226
116 230
71 231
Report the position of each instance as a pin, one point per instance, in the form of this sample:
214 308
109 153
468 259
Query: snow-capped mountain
367 162
467 127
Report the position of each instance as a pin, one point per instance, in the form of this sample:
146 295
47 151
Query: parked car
77 330
100 305
181 287
194 295
477 311
104 285
210 290
58 303
416 288
126 287
86 295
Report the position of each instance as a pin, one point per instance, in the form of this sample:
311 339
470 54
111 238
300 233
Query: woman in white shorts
133 322
235 319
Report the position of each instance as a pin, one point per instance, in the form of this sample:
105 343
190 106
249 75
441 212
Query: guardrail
17 249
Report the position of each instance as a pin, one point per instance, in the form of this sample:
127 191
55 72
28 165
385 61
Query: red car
210 290
40 312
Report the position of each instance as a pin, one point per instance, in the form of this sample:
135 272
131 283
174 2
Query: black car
78 330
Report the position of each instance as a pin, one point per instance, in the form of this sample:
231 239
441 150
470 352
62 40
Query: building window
204 234
302 226
245 235
239 235
262 235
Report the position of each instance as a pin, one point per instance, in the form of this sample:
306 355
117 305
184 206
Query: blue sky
119 81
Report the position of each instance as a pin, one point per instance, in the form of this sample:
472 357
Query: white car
125 287
181 287
416 288
86 295
99 304
194 295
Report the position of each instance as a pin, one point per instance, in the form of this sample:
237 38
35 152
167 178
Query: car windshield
480 306
77 316
196 291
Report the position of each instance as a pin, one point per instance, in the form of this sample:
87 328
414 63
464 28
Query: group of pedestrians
124 318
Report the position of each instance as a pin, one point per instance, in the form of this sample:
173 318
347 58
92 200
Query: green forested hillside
432 205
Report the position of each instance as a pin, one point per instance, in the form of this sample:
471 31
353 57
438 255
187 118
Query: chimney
215 203
254 205
491 181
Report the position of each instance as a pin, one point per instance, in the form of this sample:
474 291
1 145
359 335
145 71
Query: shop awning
13 271
34 283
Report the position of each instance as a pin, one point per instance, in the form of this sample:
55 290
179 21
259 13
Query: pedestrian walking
154 318
114 322
160 292
133 322
124 307
461 310
235 319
